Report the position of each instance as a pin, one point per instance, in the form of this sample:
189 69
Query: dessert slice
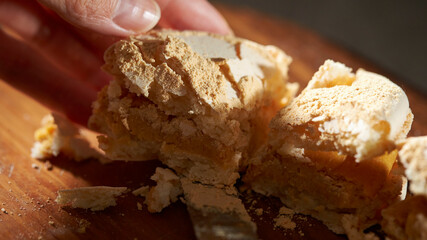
199 102
408 219
330 151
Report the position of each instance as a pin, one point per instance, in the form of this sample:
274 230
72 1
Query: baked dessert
360 115
58 135
413 156
165 192
199 102
331 152
217 213
95 198
407 219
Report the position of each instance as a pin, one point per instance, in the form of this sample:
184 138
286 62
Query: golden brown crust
200 102
361 115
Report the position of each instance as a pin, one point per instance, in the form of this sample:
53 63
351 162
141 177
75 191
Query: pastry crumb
284 222
83 224
259 211
286 211
94 198
48 165
142 191
59 135
284 219
166 191
139 206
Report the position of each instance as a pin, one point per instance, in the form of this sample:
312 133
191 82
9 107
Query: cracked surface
331 151
199 102
361 115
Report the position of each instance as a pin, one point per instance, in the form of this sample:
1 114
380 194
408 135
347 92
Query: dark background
390 33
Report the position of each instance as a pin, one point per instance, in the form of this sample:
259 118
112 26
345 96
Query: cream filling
210 47
397 116
250 63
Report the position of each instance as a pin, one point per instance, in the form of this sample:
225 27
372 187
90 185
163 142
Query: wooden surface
27 194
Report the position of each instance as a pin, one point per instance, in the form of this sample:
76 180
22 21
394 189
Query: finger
24 68
97 42
192 15
110 17
54 40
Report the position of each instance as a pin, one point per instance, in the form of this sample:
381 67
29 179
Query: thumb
111 17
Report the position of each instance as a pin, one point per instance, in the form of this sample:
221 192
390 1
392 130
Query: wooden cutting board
27 194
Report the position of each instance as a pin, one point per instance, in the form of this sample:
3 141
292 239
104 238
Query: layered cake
213 107
331 150
199 102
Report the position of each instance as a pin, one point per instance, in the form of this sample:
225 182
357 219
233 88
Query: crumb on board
59 135
83 224
284 222
142 191
139 206
286 211
165 192
94 198
48 165
259 211
284 219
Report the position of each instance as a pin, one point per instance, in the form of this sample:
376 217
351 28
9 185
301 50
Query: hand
53 50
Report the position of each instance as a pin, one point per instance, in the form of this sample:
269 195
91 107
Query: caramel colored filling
370 174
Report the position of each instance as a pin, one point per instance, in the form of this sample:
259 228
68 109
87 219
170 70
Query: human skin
52 49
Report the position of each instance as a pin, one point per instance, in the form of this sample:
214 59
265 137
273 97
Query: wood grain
27 194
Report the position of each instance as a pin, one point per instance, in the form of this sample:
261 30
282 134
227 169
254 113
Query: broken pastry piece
330 151
413 156
166 191
59 135
217 213
360 115
94 198
407 219
199 102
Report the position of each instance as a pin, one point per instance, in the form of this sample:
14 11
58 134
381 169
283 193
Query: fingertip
197 15
108 17
135 16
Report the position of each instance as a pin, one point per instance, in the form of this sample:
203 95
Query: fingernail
137 15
